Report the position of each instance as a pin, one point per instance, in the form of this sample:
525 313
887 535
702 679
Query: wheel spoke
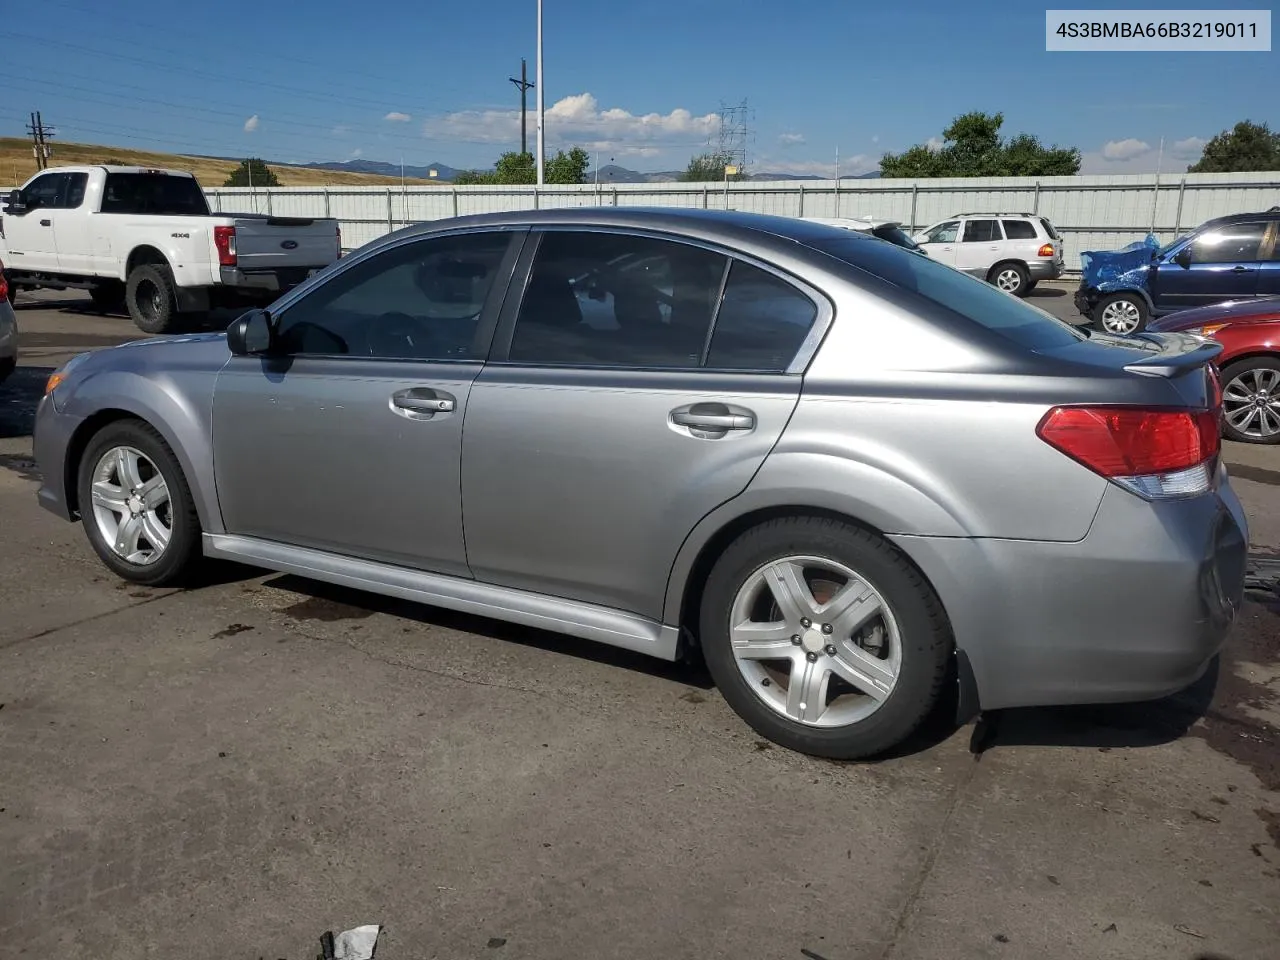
1268 377
1237 391
1242 418
154 493
1268 421
108 495
761 641
807 690
869 674
854 605
127 536
157 533
127 469
786 582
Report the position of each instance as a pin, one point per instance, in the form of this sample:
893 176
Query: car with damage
1235 257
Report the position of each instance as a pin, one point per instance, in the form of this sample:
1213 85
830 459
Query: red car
1249 331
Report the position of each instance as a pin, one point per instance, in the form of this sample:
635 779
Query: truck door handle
421 403
711 421
1241 270
46 223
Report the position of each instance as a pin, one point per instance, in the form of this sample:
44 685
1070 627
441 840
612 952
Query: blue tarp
1103 266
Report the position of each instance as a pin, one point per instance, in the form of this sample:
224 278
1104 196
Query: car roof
1272 214
114 168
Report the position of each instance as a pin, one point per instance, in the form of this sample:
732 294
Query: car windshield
1170 245
972 299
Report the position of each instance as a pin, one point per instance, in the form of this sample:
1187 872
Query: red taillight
4 284
224 238
1045 251
1132 442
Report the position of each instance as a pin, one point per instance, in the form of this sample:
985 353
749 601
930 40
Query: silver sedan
843 474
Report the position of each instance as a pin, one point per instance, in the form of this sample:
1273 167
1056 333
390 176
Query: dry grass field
17 164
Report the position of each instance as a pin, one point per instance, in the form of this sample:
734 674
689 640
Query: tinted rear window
155 193
973 299
1018 230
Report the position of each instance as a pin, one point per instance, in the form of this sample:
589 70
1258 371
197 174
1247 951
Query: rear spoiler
1174 354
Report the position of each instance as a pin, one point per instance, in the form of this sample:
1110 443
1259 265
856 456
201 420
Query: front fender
179 412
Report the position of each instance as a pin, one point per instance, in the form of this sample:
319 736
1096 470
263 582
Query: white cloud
875 138
395 116
818 169
340 131
1190 148
934 144
1125 149
579 119
791 138
357 153
252 124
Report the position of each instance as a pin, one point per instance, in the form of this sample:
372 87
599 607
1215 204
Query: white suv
1014 251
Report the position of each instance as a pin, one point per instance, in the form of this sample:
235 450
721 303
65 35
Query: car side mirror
251 334
13 203
1183 257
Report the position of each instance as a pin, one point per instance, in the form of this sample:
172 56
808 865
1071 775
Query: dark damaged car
1229 258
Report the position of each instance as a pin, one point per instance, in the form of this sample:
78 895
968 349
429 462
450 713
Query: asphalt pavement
231 770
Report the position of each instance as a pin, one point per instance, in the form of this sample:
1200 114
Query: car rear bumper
265 281
1044 269
1134 611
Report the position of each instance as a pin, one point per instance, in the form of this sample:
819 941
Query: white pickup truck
145 240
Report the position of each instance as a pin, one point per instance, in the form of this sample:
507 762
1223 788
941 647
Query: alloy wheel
131 505
1121 316
815 641
1009 280
1251 402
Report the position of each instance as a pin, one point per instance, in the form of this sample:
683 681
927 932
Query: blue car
1228 258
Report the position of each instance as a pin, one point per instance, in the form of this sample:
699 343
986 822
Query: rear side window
75 190
154 193
981 231
1018 230
762 322
972 299
1048 228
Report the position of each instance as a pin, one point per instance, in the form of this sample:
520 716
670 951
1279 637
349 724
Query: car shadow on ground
1046 293
20 394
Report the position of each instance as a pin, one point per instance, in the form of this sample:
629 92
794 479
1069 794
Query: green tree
709 167
252 173
520 169
972 147
1245 148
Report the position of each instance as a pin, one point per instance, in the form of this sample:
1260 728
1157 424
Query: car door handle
1242 270
711 421
46 223
421 403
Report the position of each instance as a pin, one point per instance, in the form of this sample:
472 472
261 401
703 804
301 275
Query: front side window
606 299
1018 230
762 322
160 194
982 231
1234 243
418 301
944 232
43 192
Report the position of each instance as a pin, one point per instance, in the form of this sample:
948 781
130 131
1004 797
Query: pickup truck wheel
150 297
108 297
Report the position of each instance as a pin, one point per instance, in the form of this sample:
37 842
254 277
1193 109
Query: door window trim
500 350
489 314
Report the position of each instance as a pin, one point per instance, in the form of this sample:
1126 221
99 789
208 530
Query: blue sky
638 84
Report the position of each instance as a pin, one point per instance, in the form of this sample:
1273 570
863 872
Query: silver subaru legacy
846 476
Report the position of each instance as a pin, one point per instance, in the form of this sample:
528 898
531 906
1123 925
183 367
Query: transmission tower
733 133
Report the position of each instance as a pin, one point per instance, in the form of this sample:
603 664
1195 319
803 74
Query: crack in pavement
6 644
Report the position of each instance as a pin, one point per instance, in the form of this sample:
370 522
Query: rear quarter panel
186 242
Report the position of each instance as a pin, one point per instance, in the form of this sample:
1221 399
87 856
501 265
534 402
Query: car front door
940 242
979 247
347 439
626 397
1221 263
29 235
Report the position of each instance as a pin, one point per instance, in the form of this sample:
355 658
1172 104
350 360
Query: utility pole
524 86
541 90
39 141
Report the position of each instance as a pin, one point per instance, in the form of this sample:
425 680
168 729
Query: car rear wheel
1121 313
150 297
1251 400
823 638
136 506
1011 278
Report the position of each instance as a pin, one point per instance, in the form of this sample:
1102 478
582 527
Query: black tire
108 297
923 627
1235 372
1031 285
1011 270
182 555
1133 299
150 297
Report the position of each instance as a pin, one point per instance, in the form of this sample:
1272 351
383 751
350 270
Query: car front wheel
823 638
1251 400
1121 313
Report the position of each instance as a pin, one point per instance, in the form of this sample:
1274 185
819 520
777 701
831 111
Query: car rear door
633 387
1220 263
979 247
349 439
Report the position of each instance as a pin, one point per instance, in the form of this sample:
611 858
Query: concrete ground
232 770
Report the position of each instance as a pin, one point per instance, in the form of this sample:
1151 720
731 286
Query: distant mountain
381 168
612 173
